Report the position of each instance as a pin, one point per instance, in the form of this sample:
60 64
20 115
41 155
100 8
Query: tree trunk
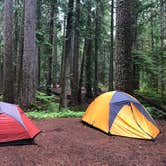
19 65
55 46
88 63
103 68
136 69
8 53
67 55
151 29
1 57
154 78
96 50
89 69
63 48
123 47
16 37
75 68
28 88
162 37
50 49
111 70
1 78
81 74
38 27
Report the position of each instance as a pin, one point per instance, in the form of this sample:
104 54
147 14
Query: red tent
14 124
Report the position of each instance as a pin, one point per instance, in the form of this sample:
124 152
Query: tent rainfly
14 124
118 113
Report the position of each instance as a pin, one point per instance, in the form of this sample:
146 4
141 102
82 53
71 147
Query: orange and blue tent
118 113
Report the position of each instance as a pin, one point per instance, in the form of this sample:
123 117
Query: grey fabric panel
121 96
11 110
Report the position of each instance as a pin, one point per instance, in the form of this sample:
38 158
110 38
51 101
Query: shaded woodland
80 48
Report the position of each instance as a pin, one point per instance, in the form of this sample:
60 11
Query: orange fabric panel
146 125
97 114
125 125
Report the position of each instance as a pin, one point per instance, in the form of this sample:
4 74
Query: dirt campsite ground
69 142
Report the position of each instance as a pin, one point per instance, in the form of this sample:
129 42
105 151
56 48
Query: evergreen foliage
148 37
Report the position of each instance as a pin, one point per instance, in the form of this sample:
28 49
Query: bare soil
69 142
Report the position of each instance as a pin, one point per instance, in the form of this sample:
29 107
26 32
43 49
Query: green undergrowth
161 100
156 114
48 114
46 107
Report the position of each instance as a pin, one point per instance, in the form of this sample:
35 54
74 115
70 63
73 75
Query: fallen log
160 108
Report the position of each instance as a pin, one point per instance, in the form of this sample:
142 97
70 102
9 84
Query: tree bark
1 59
1 78
162 37
16 38
88 62
63 49
111 70
75 68
8 94
55 46
67 55
50 49
151 29
103 71
136 69
96 50
19 65
28 88
123 46
38 27
81 74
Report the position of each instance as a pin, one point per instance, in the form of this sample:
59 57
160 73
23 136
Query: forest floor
69 142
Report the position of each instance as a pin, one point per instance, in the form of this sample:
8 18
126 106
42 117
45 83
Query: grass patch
48 114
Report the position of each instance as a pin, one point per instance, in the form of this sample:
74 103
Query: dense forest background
78 49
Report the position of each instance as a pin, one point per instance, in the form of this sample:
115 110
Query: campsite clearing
69 142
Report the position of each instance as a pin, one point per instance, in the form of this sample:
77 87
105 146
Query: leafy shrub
45 107
44 102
